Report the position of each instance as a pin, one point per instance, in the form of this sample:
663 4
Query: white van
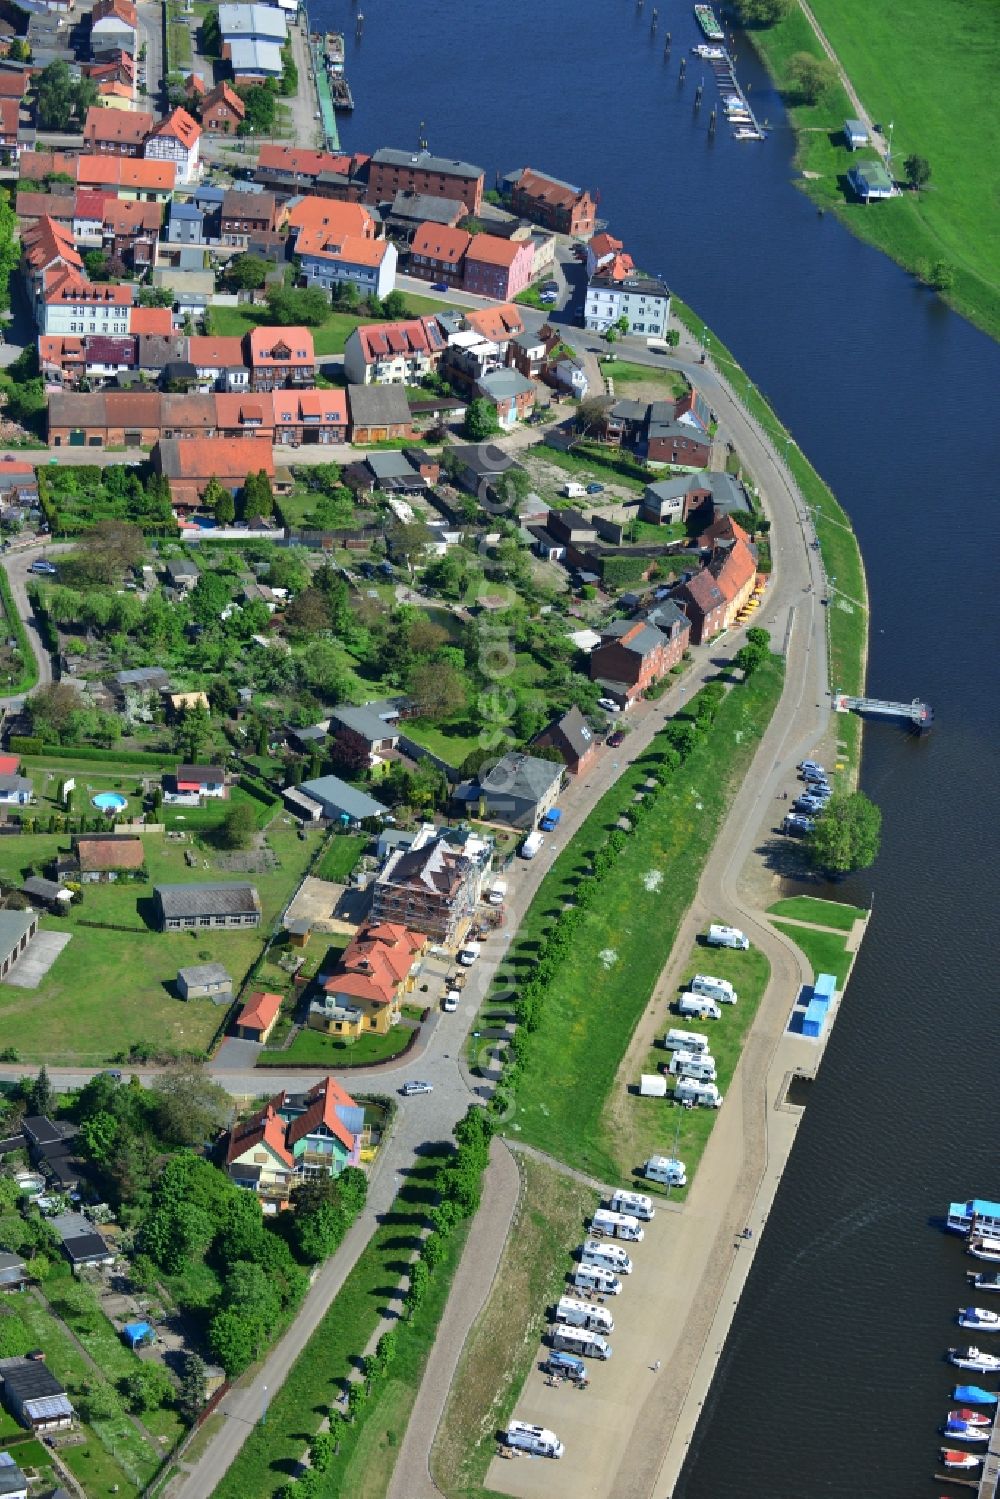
594 1278
605 1257
574 491
579 1341
694 1091
537 1440
727 936
676 1040
617 1226
699 1007
692 1064
636 1203
531 845
574 1313
666 1170
720 989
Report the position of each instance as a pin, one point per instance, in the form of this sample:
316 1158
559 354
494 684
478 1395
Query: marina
735 104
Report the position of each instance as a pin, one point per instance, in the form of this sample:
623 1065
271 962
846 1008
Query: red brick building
553 204
573 737
116 132
704 603
393 171
437 253
635 653
222 111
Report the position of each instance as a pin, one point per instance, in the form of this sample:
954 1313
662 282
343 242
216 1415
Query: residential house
206 905
636 653
280 358
393 353
497 324
115 132
258 1017
855 134
57 205
391 171
409 211
704 603
294 1138
643 301
103 859
185 224
573 737
396 472
431 884
675 443
113 28
293 169
70 304
870 180
478 466
151 181
308 416
176 139
378 413
10 124
18 483
674 500
552 203
529 351
222 110
499 268
437 253
182 574
362 733
511 394
16 790
469 357
33 1395
13 1483
518 790
606 255
734 567
205 781
571 375
17 928
330 259
365 991
338 802
13 1275
82 1245
219 361
337 218
245 214
205 981
130 231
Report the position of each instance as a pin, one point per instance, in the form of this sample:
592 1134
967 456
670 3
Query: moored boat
705 16
747 133
962 1431
974 1358
985 1249
711 54
973 1394
979 1216
986 1280
952 1458
979 1319
970 1417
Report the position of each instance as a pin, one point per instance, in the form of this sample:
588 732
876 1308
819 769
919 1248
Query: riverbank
930 75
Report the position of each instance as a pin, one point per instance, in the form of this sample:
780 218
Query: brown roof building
554 204
188 465
438 253
98 855
116 132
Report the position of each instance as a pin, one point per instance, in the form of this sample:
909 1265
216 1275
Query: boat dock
989 1481
734 100
331 136
920 715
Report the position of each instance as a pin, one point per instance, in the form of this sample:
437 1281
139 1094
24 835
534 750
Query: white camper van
594 1278
727 936
652 1085
531 845
537 1440
606 1257
579 1341
692 1064
694 1091
720 989
699 1007
636 1203
666 1170
694 1041
617 1226
574 1313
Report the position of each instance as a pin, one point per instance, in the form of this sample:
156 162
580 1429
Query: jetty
919 714
734 99
331 136
989 1480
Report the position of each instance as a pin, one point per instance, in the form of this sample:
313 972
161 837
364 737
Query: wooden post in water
684 63
698 93
711 122
655 17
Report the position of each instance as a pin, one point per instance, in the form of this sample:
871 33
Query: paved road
17 565
149 15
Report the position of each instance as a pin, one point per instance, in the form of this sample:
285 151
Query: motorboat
962 1431
710 54
955 1459
973 1358
984 1248
748 133
973 1394
986 1280
970 1417
979 1319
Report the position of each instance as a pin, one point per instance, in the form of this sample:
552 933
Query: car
809 804
549 286
609 705
796 825
616 740
440 286
408 1089
43 567
595 488
450 1002
805 765
548 299
814 773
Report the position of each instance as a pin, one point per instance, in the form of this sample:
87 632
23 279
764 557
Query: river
832 1381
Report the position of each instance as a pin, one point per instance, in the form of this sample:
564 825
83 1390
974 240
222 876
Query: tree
247 272
847 835
232 1340
148 1388
38 1095
762 12
941 276
224 508
288 305
308 613
192 731
438 689
590 414
188 1107
395 305
108 550
917 170
749 657
481 420
191 1394
408 541
811 77
259 116
238 826
59 96
258 496
99 1136
8 250
51 709
318 1219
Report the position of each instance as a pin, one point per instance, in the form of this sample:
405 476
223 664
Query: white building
642 300
176 139
71 305
329 258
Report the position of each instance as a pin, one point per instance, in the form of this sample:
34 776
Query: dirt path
859 109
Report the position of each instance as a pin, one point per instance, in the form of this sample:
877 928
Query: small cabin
855 135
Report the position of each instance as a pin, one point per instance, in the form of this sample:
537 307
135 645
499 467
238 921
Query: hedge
102 756
15 627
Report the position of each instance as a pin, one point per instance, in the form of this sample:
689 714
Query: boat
970 1417
974 1358
333 52
340 92
985 1249
964 1431
711 54
747 133
978 1216
705 16
955 1459
972 1394
986 1280
979 1318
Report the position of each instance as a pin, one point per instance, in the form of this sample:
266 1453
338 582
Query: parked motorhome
595 1278
727 936
676 1040
665 1170
537 1440
693 1090
575 1313
605 1257
652 1085
565 1366
636 1203
692 1064
698 1006
531 845
579 1341
720 989
617 1226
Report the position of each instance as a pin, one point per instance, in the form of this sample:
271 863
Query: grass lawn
108 990
341 857
939 110
665 384
330 336
451 739
320 1373
591 464
820 912
503 1343
314 1048
620 948
826 951
656 1126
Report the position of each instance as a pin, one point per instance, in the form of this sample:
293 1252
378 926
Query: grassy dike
930 70
847 616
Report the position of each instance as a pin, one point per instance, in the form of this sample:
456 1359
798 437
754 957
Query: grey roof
667 616
331 791
856 127
13 925
647 639
643 286
183 569
378 405
10 1261
204 899
484 458
186 211
12 1480
314 734
576 731
209 775
15 783
43 889
157 350
204 973
521 775
391 466
630 411
249 55
143 676
503 384
29 1378
668 429
252 20
422 208
668 491
423 161
363 721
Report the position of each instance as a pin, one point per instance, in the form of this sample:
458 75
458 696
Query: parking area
36 960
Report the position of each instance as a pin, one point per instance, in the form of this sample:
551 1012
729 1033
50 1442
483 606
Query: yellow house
365 993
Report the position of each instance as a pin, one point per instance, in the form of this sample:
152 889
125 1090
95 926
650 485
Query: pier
734 99
990 1478
920 715
331 136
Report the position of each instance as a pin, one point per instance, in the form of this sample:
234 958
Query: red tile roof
327 213
324 1101
10 115
9 763
548 190
13 85
733 568
58 351
223 94
376 962
178 126
123 9
128 126
292 346
215 351
260 1011
418 336
605 244
130 216
490 249
298 160
227 458
89 202
48 242
99 854
263 1128
439 242
330 244
65 286
127 173
151 320
291 407
499 324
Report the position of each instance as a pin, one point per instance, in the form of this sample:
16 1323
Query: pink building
497 267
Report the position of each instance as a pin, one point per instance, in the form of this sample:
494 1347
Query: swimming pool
109 801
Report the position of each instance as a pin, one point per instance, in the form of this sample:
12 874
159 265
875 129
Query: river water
832 1381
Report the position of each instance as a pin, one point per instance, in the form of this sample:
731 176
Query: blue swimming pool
109 801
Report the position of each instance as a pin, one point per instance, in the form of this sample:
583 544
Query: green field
108 990
340 858
826 951
671 383
930 69
600 465
313 1048
819 912
330 336
595 1001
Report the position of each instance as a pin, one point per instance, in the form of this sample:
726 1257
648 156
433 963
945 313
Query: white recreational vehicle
537 1440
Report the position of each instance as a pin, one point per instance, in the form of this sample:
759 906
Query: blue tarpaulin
135 1333
971 1394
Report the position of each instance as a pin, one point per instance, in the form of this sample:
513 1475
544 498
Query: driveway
36 960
